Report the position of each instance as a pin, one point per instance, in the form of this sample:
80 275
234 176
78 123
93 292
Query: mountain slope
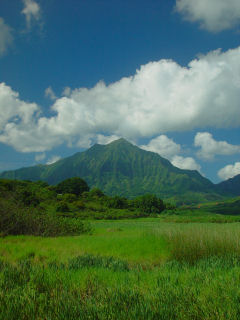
231 186
120 168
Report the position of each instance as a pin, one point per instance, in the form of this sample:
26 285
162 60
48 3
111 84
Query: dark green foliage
149 203
96 193
80 205
16 220
25 209
228 207
35 208
62 206
28 198
117 202
69 197
72 185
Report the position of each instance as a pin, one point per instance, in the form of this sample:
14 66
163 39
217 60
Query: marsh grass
143 269
193 244
208 290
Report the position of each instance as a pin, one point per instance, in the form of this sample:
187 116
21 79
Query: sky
165 75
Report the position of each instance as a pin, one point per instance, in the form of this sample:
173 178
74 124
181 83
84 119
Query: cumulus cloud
101 139
40 157
53 159
161 97
66 92
21 125
169 149
210 147
49 93
162 145
6 37
229 171
32 12
185 163
213 15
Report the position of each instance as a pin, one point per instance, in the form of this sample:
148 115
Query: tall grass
125 270
208 290
193 244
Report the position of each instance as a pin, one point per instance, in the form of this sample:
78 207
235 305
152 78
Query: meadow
147 268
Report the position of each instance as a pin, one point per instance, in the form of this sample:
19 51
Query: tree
72 185
149 203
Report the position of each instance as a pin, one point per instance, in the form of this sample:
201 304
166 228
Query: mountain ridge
121 168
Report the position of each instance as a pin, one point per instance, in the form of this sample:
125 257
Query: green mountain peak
120 168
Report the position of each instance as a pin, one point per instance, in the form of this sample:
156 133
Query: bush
79 205
72 185
62 207
149 203
69 197
117 202
17 220
96 193
28 198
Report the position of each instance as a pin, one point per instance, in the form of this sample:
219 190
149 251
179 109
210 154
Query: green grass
128 269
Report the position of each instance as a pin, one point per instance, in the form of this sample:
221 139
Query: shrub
28 198
62 207
17 220
69 197
72 185
96 193
149 203
79 205
117 202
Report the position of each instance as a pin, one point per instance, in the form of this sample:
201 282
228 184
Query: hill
121 168
231 186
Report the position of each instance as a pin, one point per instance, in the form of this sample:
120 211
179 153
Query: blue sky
162 74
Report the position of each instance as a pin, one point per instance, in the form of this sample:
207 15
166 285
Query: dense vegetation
142 268
123 169
135 269
39 209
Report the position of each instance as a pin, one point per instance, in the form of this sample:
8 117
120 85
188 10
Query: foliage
117 202
16 220
25 208
96 193
72 185
62 206
149 203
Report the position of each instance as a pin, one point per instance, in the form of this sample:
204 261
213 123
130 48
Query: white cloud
40 157
229 171
53 159
6 37
210 147
49 93
185 163
32 12
101 139
161 97
213 15
66 92
169 149
164 146
13 110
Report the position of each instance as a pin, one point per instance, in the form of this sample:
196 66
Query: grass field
128 269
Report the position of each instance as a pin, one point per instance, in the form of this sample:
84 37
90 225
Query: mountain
231 186
124 169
